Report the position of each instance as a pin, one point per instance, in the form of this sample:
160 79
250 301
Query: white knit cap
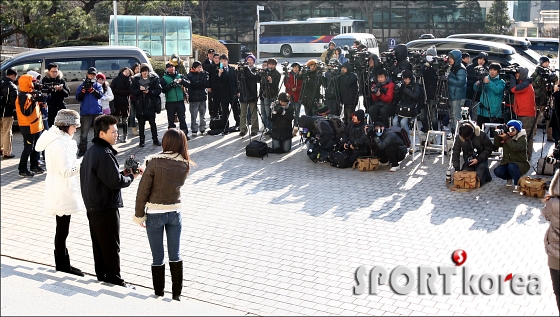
66 118
33 73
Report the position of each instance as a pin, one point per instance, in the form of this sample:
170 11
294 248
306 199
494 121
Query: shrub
202 44
77 43
159 67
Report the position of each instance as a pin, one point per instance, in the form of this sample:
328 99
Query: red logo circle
459 257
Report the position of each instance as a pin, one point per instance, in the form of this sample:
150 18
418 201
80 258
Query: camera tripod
442 99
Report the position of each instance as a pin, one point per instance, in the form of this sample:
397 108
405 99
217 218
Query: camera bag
466 179
534 187
256 149
218 123
405 111
340 159
366 163
544 168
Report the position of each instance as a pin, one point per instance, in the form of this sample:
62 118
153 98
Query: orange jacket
27 109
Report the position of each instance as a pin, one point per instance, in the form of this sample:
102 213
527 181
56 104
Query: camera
465 113
88 84
241 65
132 164
481 71
37 93
48 88
507 71
358 59
374 90
388 59
554 158
440 64
285 66
448 176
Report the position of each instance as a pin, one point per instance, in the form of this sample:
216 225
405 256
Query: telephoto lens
448 176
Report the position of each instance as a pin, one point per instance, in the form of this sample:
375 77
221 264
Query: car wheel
286 50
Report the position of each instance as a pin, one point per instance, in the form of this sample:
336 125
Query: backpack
401 133
336 124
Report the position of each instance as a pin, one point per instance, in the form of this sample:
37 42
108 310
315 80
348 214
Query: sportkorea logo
426 277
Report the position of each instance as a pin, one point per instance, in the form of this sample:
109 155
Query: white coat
62 188
106 99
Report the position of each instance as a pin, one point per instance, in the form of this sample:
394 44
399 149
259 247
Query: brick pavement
284 235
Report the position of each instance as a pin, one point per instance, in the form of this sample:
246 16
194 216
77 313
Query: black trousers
555 276
104 227
349 109
391 154
213 105
179 108
234 108
62 229
381 112
354 154
142 126
29 141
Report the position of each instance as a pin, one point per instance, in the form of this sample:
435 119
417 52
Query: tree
497 19
470 19
368 8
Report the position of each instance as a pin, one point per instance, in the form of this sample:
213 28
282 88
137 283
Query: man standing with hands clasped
101 183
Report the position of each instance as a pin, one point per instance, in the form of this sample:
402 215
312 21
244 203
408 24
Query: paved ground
284 235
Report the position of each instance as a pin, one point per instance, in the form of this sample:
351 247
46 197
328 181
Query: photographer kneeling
388 146
514 164
476 147
320 137
355 141
282 116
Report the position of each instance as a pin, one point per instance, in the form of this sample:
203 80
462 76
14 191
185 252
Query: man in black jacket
482 61
348 91
311 88
227 90
401 55
101 183
58 90
476 147
8 110
270 85
388 146
199 81
248 79
356 142
212 70
428 116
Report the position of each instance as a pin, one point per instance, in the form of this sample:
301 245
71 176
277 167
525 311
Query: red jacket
293 82
386 97
524 101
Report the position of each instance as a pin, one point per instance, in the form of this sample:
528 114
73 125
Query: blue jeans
155 223
455 112
297 108
282 145
266 111
198 108
86 122
402 122
509 171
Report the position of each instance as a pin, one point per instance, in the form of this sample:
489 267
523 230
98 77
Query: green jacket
515 150
491 98
173 93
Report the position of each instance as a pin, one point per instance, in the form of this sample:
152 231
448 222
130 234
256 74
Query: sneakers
384 163
193 136
516 189
37 170
124 139
156 142
509 183
242 134
394 169
26 174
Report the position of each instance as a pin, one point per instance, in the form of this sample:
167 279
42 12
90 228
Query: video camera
358 59
388 59
481 72
417 59
440 64
241 65
285 69
132 164
334 66
37 93
548 76
510 70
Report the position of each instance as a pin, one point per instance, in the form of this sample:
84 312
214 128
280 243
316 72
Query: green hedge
77 43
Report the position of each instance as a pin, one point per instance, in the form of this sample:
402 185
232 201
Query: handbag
544 168
534 187
406 111
158 104
466 179
366 163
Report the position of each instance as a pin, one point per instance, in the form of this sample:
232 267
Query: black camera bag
340 159
256 149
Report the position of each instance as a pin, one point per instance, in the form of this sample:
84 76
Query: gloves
90 90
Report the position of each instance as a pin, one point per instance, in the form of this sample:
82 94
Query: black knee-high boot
125 129
62 261
176 279
158 278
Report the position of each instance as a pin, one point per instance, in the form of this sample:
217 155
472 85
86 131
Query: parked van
365 38
546 46
74 61
520 44
497 52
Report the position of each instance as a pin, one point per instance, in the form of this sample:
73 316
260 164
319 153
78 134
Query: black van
497 52
521 45
74 61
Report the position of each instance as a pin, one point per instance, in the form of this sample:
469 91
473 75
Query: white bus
309 36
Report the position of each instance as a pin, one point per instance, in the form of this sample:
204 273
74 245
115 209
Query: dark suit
227 93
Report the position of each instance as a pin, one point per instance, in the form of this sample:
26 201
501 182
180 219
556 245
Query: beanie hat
331 42
195 64
211 51
323 109
310 62
518 125
92 70
360 115
543 59
295 64
483 55
251 56
168 64
465 55
407 74
347 65
144 67
66 118
283 97
101 75
431 51
33 73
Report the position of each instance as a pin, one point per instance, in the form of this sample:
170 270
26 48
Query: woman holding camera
158 207
513 139
62 190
